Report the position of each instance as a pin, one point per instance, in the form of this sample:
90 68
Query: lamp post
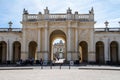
10 25
119 23
106 24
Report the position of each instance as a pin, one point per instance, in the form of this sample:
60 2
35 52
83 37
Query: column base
24 55
72 55
91 57
44 55
39 56
75 56
69 57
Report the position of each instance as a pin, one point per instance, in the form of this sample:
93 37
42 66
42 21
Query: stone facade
58 50
82 41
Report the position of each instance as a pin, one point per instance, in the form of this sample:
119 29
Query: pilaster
46 41
107 50
119 51
10 51
39 45
69 57
91 47
24 55
7 56
77 54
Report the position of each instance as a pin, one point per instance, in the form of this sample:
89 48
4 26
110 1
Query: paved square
57 74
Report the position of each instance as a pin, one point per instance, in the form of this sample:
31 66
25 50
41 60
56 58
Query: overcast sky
11 10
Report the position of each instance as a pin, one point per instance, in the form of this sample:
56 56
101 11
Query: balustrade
38 17
12 29
107 29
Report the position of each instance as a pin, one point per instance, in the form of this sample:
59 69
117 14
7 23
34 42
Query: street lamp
10 25
119 23
106 24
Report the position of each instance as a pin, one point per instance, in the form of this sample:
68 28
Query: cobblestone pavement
36 73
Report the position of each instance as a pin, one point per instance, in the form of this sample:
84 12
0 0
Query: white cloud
104 9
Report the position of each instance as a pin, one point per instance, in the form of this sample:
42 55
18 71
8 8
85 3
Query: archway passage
114 52
3 52
83 49
32 49
57 50
16 51
100 52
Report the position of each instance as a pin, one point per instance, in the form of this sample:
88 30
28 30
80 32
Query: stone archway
16 51
3 51
54 35
83 49
32 50
100 52
114 52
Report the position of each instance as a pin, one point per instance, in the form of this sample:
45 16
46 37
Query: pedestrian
41 61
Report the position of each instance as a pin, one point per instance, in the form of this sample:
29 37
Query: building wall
107 38
74 28
9 38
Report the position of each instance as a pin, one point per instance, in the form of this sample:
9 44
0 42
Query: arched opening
57 45
32 50
83 49
16 51
3 52
100 52
114 52
58 49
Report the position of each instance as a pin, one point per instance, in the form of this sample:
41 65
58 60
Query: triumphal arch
40 30
82 42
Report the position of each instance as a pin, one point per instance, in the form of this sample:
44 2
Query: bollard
69 66
41 66
60 66
51 66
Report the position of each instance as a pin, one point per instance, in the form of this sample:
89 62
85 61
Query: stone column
91 47
107 50
69 56
76 44
46 42
24 54
118 51
10 51
7 55
46 38
39 45
76 40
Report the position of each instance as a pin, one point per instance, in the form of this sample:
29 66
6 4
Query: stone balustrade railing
57 17
10 29
107 29
95 29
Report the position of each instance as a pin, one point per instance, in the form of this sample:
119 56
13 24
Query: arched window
114 52
16 51
83 49
100 52
3 51
32 49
